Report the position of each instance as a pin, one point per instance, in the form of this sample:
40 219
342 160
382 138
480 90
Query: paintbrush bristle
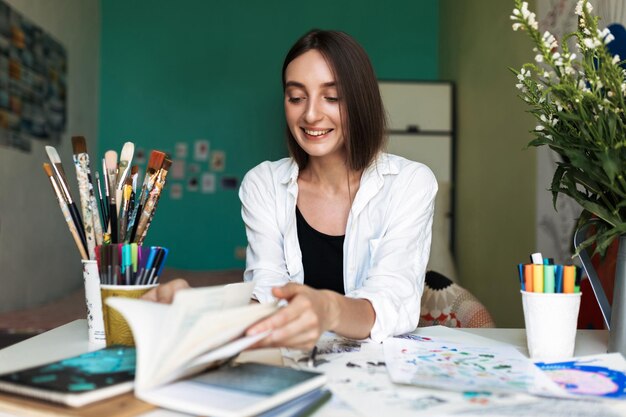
48 168
53 155
110 160
155 161
128 150
79 144
134 170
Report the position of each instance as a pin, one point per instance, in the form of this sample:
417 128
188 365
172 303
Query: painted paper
596 375
459 367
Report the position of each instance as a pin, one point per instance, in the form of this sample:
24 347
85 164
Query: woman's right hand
164 293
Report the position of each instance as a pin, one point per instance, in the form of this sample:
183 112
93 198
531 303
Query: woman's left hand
310 313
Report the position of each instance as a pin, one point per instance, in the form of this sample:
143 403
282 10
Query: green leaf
556 181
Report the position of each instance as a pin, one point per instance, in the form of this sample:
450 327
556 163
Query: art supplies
544 277
130 264
61 180
120 211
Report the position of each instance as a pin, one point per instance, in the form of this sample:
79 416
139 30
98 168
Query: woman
339 230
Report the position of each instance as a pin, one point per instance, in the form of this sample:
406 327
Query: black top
322 257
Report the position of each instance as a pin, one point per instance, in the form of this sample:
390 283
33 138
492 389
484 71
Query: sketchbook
78 380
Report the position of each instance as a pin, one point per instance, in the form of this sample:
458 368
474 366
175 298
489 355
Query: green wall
496 175
184 70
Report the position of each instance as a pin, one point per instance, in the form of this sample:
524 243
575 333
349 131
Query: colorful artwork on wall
33 89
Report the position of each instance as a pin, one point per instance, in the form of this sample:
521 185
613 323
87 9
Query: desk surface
71 339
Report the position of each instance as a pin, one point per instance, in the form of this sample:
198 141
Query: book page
145 319
210 331
191 303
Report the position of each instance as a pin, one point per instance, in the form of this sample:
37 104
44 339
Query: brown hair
362 112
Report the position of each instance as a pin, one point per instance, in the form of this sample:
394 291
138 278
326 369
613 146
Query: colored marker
537 277
558 278
520 274
569 273
548 278
528 277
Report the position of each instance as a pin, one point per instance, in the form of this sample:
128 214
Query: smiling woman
340 230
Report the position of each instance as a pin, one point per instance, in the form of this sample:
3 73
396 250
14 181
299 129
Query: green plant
577 96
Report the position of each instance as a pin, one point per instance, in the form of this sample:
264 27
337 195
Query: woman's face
312 106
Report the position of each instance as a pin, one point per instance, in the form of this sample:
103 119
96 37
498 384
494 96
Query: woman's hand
310 313
164 293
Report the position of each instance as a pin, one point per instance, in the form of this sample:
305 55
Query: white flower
615 59
569 70
539 58
581 84
605 35
517 26
591 43
579 8
539 128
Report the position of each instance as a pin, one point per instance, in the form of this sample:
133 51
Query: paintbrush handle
68 219
78 223
134 221
73 231
113 223
81 162
149 209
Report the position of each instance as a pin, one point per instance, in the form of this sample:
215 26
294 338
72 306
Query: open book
204 328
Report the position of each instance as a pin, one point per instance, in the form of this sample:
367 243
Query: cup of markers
126 270
551 301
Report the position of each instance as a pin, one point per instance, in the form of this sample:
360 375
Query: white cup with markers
551 302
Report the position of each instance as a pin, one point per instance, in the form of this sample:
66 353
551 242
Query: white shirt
386 245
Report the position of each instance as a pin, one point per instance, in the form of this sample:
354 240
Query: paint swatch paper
595 375
451 366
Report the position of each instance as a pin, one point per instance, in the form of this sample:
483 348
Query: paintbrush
66 213
127 191
154 164
91 215
134 175
123 171
147 213
110 161
59 173
103 210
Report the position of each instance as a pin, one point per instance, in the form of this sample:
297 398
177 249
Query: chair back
448 304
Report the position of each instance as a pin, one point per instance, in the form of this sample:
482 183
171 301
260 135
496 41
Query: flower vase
617 329
614 315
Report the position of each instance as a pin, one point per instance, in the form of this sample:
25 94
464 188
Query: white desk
71 339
